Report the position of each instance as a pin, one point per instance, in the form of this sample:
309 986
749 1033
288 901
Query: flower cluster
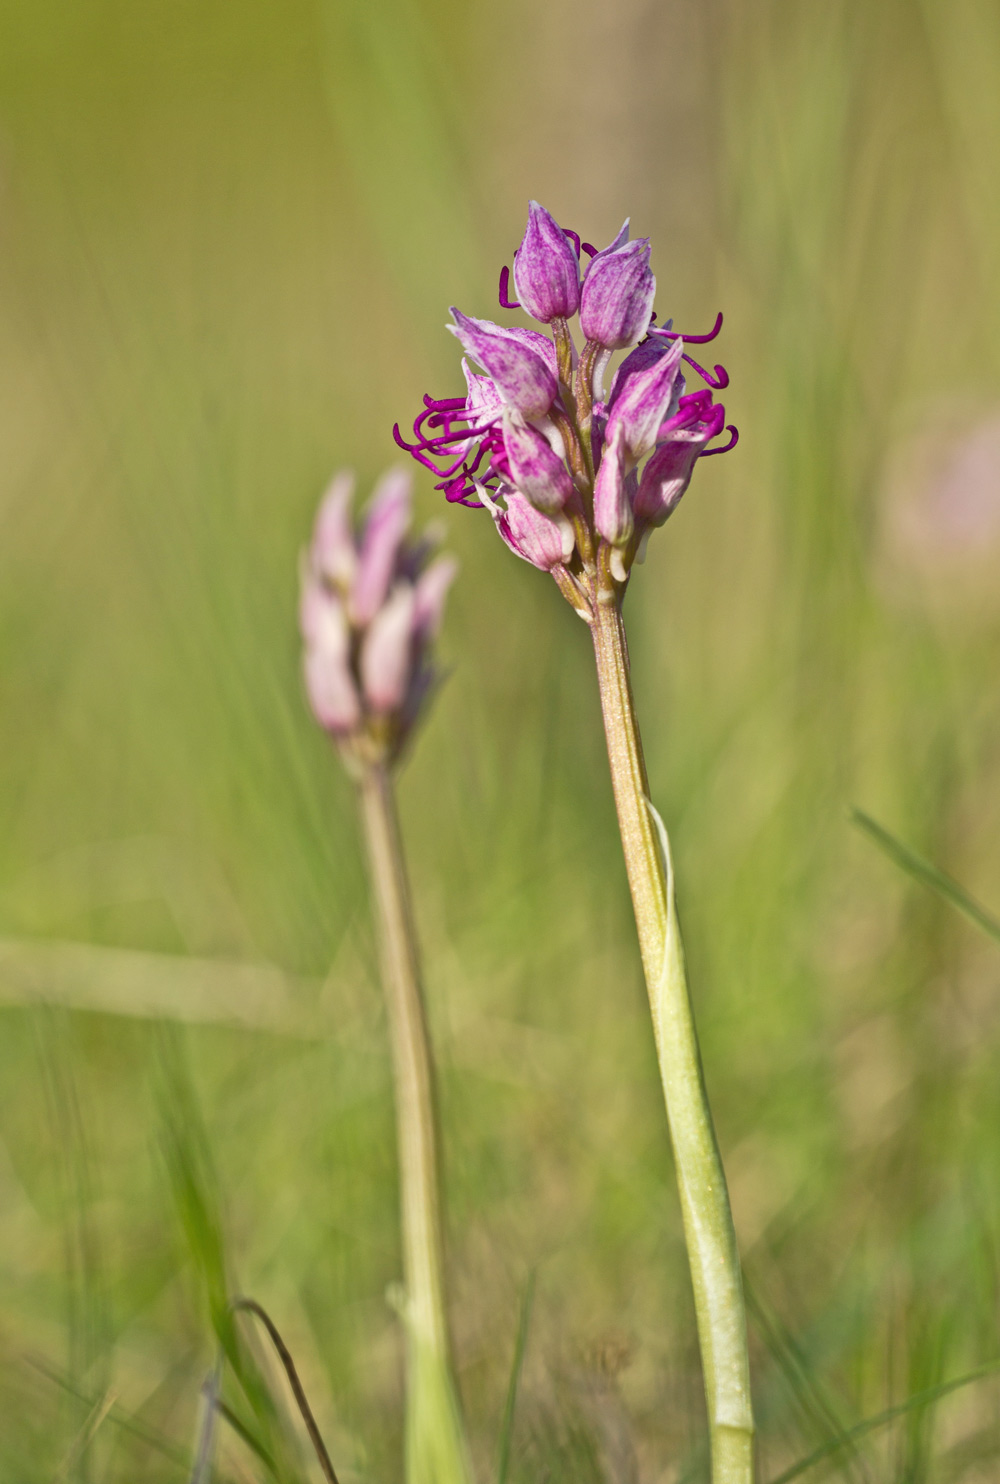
371 605
537 441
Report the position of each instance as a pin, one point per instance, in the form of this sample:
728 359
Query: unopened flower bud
521 374
333 553
616 300
646 391
612 506
330 686
386 652
546 271
537 471
385 526
431 592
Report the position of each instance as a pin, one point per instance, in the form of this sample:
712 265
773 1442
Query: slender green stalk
436 1450
708 1222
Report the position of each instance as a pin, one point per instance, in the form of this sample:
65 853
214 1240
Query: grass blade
927 874
507 1425
817 1409
243 1432
130 1425
191 1171
870 1424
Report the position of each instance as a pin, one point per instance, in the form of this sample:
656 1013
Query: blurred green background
230 234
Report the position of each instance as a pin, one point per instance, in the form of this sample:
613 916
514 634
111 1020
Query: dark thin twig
252 1307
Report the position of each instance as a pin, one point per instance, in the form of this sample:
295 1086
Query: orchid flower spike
370 608
575 483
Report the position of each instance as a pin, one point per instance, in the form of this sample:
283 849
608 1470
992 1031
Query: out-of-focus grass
229 239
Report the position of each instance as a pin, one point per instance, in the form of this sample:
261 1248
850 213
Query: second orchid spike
546 270
369 611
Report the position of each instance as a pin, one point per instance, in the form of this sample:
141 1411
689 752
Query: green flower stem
708 1222
436 1450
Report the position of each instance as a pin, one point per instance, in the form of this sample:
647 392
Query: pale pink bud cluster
371 605
535 441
